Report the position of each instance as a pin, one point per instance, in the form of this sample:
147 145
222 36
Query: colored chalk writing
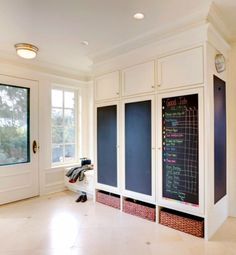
180 148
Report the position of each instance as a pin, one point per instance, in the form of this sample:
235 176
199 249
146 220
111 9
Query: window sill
65 165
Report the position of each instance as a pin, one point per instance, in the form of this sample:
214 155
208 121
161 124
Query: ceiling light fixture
26 50
138 15
85 43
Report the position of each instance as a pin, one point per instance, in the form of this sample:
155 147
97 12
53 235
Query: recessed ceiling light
26 50
85 43
138 15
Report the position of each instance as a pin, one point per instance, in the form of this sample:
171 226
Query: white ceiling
57 27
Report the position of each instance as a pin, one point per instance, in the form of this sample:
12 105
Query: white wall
231 111
52 178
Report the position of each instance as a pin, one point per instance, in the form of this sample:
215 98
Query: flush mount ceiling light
26 50
85 43
138 15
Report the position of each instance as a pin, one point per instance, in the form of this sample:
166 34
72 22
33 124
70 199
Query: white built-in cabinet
184 68
174 77
138 79
133 86
107 86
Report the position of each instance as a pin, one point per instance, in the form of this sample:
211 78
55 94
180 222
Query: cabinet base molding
183 222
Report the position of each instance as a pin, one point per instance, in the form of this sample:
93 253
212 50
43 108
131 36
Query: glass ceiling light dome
26 50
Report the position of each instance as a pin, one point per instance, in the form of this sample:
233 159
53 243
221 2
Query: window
64 126
14 125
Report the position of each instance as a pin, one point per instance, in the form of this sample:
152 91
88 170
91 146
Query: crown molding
188 22
45 68
216 19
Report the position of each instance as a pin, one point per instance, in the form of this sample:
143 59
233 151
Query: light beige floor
56 225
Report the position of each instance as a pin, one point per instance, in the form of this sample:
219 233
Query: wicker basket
108 199
182 222
140 210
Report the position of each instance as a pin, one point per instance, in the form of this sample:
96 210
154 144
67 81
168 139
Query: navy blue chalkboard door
107 145
220 176
138 151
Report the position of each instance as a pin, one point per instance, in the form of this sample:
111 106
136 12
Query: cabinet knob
153 86
117 93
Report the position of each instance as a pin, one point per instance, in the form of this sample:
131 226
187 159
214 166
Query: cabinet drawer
181 69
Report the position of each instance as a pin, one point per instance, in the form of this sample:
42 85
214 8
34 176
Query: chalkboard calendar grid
180 148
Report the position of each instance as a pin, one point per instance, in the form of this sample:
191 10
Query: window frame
28 133
77 122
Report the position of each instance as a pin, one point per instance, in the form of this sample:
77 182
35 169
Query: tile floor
56 225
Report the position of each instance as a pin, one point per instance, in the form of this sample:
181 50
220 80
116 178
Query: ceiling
58 27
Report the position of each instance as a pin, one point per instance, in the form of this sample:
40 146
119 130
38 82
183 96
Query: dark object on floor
82 198
78 199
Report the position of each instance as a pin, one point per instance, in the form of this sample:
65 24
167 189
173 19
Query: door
181 69
138 148
107 86
18 131
138 79
107 153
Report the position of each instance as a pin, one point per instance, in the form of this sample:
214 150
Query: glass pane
69 117
57 153
69 99
14 125
69 152
69 135
57 135
57 117
57 98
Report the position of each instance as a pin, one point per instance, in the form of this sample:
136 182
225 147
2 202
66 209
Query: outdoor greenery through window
64 126
14 125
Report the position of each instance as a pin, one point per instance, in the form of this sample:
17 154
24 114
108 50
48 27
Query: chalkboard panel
220 138
107 145
180 148
138 147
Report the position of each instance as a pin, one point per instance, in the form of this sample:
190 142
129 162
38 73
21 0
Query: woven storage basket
108 199
139 210
181 222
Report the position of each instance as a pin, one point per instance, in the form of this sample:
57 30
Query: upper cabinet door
138 79
107 86
181 69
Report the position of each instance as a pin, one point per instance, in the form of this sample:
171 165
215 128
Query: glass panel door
19 176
